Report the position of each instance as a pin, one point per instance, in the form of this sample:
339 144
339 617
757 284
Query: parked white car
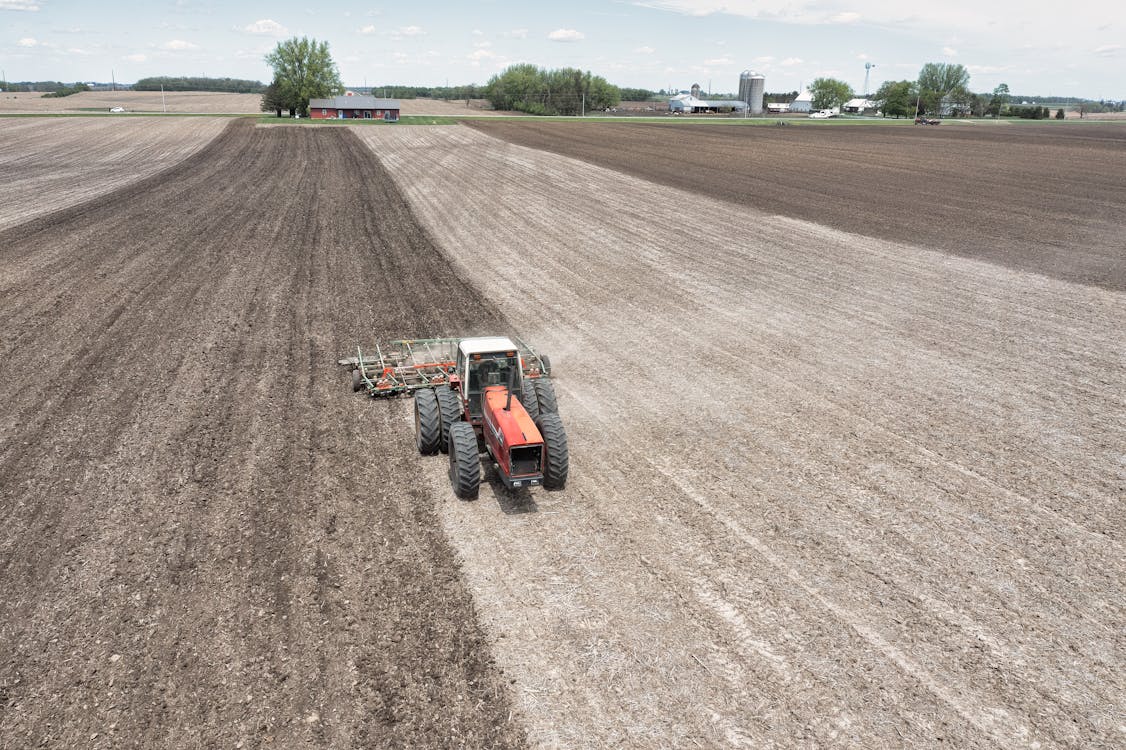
823 114
117 109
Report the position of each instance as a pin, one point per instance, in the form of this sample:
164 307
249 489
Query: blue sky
1076 48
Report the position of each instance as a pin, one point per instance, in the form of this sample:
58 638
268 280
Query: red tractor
473 396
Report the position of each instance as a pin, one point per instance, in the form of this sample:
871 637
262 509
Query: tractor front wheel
465 465
449 405
427 422
558 462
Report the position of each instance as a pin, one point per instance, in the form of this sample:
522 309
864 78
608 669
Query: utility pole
163 103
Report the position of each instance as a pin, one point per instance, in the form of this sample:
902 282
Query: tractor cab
485 362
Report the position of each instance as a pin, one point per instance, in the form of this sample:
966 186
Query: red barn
354 108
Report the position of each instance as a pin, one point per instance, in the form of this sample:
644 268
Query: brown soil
49 164
827 490
1041 198
206 541
179 102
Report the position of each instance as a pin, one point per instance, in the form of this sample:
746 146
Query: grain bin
751 88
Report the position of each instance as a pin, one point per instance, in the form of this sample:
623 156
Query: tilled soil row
1035 198
207 540
826 490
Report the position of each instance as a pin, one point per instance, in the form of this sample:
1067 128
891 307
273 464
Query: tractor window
490 369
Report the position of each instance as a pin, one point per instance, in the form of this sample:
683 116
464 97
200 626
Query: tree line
182 83
538 91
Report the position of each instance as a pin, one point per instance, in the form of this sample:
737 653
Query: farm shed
860 107
354 108
804 103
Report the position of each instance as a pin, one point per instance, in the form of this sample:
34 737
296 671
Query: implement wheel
529 400
545 392
449 406
465 466
427 422
546 364
555 444
357 381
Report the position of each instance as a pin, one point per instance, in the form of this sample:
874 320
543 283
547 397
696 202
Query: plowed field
1043 198
49 164
827 489
205 543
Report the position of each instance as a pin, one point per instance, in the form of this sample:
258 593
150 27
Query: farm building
860 107
804 103
354 108
687 103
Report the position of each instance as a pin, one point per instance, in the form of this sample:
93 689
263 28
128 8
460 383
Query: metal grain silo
751 89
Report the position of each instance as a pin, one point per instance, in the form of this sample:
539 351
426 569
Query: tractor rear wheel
529 400
555 444
465 465
545 392
427 422
357 381
449 405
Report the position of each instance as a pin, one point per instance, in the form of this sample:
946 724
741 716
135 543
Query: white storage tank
752 86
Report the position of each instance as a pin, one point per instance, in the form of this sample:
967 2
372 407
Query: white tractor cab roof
485 345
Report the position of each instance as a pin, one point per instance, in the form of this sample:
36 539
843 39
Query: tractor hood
514 425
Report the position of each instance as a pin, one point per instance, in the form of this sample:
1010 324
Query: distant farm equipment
474 396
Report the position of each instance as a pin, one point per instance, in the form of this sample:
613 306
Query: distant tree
999 100
183 83
636 95
939 82
897 98
272 100
829 93
303 70
1059 114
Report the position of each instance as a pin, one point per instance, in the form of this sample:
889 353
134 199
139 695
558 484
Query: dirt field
206 542
49 164
200 102
179 102
1042 198
827 489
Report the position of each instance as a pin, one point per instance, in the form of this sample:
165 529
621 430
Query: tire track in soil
207 540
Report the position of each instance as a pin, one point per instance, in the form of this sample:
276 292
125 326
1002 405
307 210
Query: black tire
357 381
427 422
557 463
465 465
529 400
545 392
449 406
546 364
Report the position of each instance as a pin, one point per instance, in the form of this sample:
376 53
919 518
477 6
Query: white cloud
719 61
78 51
266 27
517 34
481 54
179 45
1108 50
137 57
369 29
28 5
407 31
949 51
478 32
566 35
789 61
645 50
846 17
28 42
482 45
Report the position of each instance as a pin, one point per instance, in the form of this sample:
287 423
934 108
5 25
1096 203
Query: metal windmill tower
867 72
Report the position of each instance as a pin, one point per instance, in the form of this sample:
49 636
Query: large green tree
1000 99
897 98
829 93
943 81
303 70
566 91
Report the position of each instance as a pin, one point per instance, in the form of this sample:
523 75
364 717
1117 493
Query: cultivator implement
407 365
